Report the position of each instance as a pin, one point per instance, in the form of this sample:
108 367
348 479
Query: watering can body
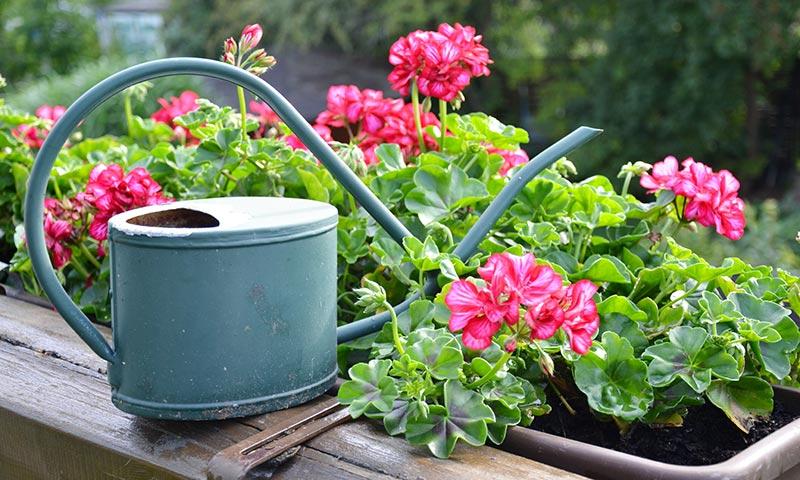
239 318
236 316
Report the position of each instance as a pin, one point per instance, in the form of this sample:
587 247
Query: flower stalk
491 374
417 115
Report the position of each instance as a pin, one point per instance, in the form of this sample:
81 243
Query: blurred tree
40 37
717 79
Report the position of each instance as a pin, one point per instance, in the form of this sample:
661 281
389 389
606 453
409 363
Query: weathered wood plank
43 330
365 444
57 421
75 401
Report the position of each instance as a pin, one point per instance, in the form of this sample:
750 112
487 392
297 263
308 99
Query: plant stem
353 206
685 294
443 122
242 111
417 115
561 396
491 373
627 183
89 256
78 266
57 188
128 115
395 329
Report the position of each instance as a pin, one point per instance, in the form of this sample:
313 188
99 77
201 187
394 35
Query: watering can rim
260 218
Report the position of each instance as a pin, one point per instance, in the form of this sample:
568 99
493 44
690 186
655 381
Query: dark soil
707 435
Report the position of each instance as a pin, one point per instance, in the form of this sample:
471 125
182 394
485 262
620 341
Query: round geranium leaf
369 386
463 416
744 401
689 357
614 381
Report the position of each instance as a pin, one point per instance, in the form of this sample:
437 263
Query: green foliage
648 73
107 119
43 37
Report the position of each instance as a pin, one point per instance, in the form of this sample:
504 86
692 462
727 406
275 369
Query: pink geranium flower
294 142
711 198
442 62
174 108
663 176
519 281
56 234
34 137
513 283
581 320
474 54
511 158
474 311
110 192
545 318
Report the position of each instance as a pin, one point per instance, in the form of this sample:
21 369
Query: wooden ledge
57 421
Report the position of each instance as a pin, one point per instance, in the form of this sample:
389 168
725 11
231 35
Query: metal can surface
222 307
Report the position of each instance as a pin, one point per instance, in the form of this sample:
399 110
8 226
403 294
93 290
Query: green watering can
226 307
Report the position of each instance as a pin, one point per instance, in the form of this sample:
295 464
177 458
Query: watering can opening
176 218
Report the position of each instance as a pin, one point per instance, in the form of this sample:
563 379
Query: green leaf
463 416
542 234
744 401
396 419
441 354
614 381
775 356
369 386
351 243
603 268
314 187
391 158
504 416
507 389
439 192
621 316
688 356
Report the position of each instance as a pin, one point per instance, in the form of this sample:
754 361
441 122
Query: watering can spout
487 220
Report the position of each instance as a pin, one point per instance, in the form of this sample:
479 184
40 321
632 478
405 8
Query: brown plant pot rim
774 456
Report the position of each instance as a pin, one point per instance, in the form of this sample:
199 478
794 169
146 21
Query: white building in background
133 27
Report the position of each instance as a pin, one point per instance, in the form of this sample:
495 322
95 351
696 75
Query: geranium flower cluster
110 191
60 220
712 198
33 136
175 107
516 287
369 119
442 63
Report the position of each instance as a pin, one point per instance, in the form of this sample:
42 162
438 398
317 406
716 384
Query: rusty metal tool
236 461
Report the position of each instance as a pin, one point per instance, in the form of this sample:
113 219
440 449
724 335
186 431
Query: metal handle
40 174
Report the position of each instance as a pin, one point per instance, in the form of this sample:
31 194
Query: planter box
776 456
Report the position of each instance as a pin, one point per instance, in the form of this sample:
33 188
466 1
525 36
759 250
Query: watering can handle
40 174
37 184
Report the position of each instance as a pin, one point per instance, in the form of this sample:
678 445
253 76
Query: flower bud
251 35
228 58
546 364
230 46
510 345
